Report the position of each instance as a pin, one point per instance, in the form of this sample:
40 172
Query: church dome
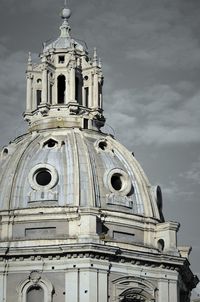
79 220
63 43
73 167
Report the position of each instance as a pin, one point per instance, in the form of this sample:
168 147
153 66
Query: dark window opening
50 94
35 293
103 145
51 143
78 90
61 89
85 123
39 97
61 59
43 177
5 151
86 96
161 245
99 95
116 181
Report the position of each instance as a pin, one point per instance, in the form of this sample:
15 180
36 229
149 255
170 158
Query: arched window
134 289
100 96
86 91
161 245
50 93
39 96
78 90
61 89
35 293
35 289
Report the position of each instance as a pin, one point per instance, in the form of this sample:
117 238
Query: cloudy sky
151 62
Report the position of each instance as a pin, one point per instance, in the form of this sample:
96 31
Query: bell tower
65 89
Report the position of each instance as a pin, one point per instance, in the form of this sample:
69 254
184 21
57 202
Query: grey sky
151 62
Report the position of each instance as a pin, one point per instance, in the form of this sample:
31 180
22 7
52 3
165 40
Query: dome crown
64 41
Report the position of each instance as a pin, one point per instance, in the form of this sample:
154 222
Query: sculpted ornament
35 277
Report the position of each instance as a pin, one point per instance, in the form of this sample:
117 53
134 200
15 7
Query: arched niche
35 293
134 289
136 295
35 286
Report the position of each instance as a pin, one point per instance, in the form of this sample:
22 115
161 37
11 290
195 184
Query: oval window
117 181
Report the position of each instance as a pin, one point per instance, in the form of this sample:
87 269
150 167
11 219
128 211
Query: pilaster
44 85
163 293
29 93
72 82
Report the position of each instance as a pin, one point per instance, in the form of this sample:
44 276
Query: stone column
48 88
72 83
83 96
101 100
55 90
96 91
44 85
29 93
66 88
90 101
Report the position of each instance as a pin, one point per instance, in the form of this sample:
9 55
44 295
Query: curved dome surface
74 168
63 42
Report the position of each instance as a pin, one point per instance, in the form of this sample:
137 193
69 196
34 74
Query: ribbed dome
63 43
74 168
65 40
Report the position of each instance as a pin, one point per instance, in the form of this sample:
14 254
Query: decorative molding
35 279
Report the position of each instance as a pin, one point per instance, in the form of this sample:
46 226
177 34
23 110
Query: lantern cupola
65 89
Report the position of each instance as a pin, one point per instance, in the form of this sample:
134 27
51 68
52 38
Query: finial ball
66 13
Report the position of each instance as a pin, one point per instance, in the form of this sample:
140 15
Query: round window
103 145
43 177
118 181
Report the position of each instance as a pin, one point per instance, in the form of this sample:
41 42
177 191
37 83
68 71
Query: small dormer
65 88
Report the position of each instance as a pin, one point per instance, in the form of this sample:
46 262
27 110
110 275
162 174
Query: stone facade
79 220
